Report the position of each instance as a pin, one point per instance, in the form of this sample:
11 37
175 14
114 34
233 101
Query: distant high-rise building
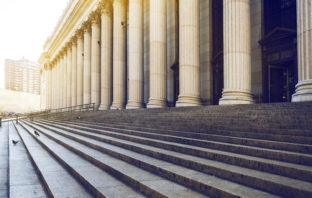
22 75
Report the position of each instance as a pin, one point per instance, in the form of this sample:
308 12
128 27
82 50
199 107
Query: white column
106 55
158 54
95 60
58 83
304 42
64 86
80 67
189 59
237 49
54 85
87 64
119 54
69 75
74 72
50 87
135 54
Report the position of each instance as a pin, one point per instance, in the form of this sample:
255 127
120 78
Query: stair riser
243 179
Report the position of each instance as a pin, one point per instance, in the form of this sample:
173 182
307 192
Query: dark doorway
176 92
217 52
279 50
280 83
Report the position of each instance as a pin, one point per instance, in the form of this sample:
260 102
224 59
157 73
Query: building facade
157 53
22 75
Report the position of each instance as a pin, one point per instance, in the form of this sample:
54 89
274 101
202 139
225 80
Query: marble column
87 64
95 60
50 87
119 53
237 50
106 55
136 37
158 54
64 87
54 85
74 72
80 67
69 76
58 82
304 42
189 51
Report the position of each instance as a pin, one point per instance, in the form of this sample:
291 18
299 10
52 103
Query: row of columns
82 73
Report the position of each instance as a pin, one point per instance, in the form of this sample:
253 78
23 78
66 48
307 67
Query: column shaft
189 53
74 73
158 53
304 37
80 69
64 86
119 54
135 54
69 76
50 87
106 57
95 62
237 59
87 66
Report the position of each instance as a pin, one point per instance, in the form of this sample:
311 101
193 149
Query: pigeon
78 117
36 133
14 142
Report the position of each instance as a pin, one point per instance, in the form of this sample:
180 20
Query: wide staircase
262 150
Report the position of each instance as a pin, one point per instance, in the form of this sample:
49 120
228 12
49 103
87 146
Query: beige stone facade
157 53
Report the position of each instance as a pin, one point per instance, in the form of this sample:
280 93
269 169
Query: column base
117 106
188 101
134 105
236 97
154 103
303 92
104 107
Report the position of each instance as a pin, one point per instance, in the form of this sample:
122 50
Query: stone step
56 179
183 175
4 160
242 175
184 144
276 167
151 184
213 132
279 145
24 180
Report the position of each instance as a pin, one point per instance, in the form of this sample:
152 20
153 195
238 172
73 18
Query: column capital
79 33
95 17
73 40
106 7
86 26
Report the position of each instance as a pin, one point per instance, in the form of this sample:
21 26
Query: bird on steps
14 142
78 118
36 133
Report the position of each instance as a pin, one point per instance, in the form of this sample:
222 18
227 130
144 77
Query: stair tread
253 173
187 135
51 170
24 181
298 166
132 171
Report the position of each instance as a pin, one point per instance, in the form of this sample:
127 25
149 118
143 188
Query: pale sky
25 26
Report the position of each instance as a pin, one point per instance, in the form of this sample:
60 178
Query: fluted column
50 87
304 42
58 82
106 54
95 60
54 85
64 87
80 67
237 59
69 76
135 54
74 72
87 64
119 54
158 53
189 58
